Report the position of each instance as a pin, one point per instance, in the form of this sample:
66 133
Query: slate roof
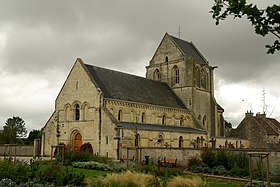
127 87
274 122
156 127
189 49
270 130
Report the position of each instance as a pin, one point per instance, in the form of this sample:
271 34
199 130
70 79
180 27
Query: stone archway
77 141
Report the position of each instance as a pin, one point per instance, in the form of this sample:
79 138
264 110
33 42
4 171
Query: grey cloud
44 38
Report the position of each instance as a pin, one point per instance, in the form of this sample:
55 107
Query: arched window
181 141
204 121
203 79
163 121
77 112
197 77
143 120
182 121
175 75
68 113
166 59
85 111
107 140
156 75
120 115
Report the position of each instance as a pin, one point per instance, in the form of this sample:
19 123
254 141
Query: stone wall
20 150
183 154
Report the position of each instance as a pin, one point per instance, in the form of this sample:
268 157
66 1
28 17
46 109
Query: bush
93 165
219 170
237 171
7 183
74 156
58 175
275 173
208 157
194 161
222 159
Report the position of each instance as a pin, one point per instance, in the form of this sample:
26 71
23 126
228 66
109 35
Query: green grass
91 173
220 185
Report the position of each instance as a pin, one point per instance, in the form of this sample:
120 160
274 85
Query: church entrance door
77 141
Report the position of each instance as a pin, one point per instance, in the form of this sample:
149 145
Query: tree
266 21
34 134
13 129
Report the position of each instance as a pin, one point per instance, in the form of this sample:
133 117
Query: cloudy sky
40 41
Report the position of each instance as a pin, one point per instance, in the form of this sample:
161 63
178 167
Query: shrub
74 156
7 183
58 175
7 170
208 157
219 170
195 160
275 173
222 159
87 148
237 171
93 165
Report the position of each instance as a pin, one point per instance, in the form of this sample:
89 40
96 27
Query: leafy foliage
39 172
265 21
13 129
34 134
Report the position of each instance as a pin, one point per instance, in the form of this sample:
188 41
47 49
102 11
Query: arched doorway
77 141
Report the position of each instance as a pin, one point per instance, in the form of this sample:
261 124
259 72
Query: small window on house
77 112
163 120
143 118
166 59
120 115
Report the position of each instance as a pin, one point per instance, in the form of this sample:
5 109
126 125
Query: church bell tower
180 64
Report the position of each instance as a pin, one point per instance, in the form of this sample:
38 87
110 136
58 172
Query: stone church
174 106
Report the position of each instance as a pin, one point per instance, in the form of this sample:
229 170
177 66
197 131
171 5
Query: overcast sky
40 41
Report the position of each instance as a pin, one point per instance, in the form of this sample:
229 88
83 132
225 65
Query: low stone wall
16 150
183 154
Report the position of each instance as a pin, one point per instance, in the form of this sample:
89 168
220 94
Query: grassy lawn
224 183
220 185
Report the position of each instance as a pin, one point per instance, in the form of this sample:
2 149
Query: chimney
249 114
259 115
